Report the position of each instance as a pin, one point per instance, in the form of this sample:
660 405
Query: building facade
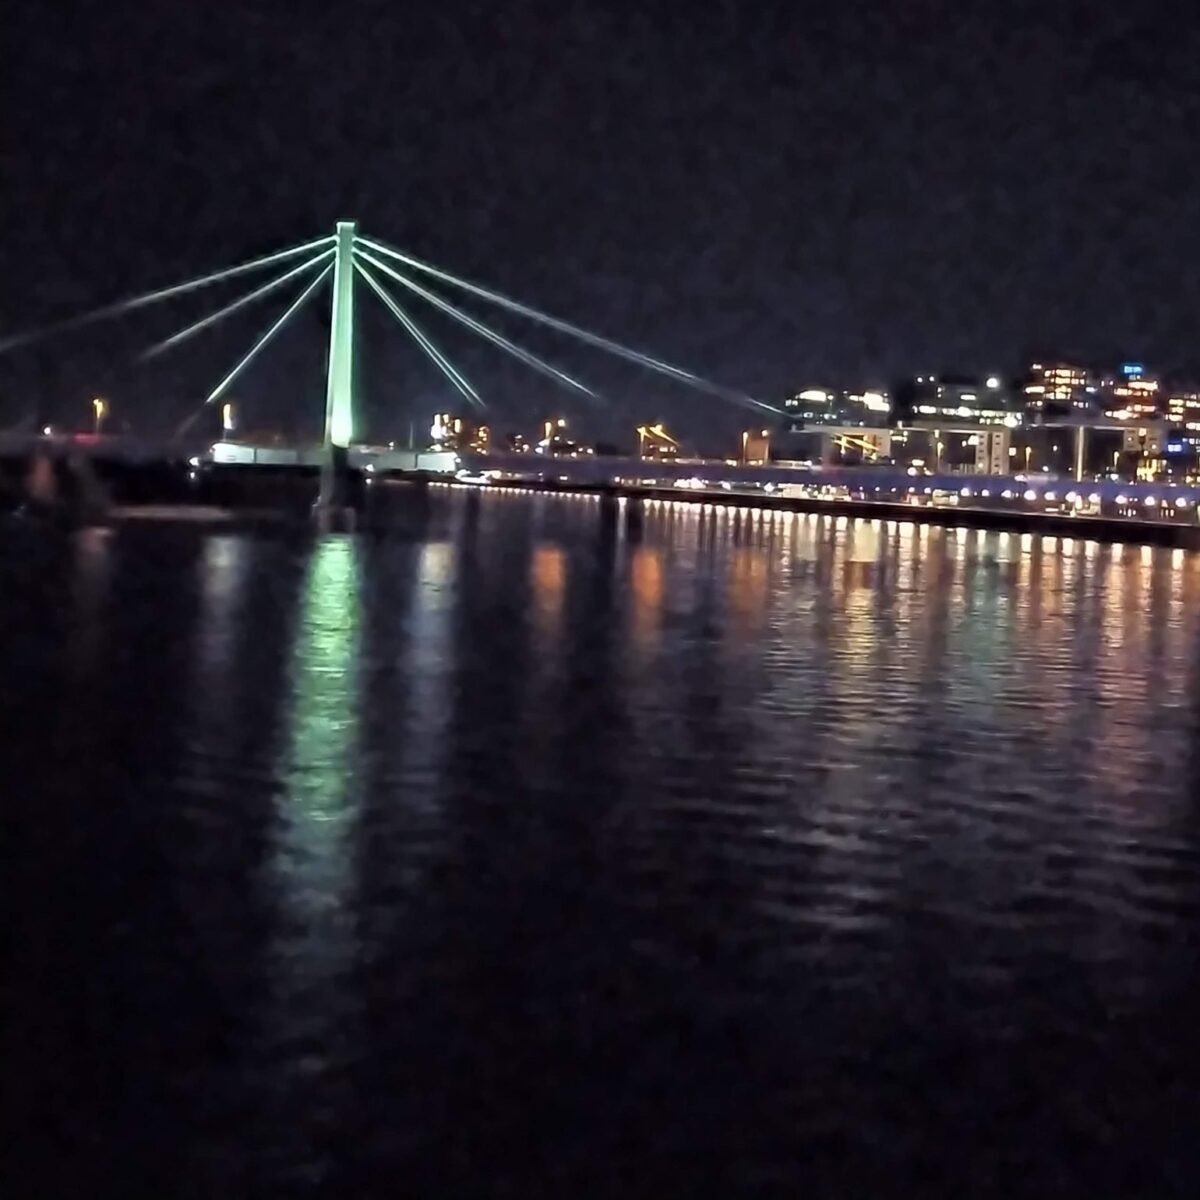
1056 387
1131 395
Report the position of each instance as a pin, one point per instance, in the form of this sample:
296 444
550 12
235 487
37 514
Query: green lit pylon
339 393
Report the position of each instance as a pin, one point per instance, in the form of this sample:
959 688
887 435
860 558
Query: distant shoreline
232 496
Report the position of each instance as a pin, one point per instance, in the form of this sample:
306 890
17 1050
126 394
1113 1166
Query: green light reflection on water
310 1023
312 855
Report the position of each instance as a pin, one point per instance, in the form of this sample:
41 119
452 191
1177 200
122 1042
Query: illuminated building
1182 447
655 442
1131 395
809 405
454 433
1183 410
957 399
868 407
755 446
1059 386
555 442
1134 397
842 414
966 421
825 406
1145 445
445 431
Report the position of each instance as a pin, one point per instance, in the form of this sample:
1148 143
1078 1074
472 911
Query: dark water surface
540 846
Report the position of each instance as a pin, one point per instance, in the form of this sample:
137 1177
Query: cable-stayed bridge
345 258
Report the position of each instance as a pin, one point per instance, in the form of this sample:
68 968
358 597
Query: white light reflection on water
92 578
223 567
423 715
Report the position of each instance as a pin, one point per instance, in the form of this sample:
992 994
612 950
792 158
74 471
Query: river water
543 845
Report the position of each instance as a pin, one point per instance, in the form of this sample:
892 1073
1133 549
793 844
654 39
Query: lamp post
642 433
99 409
745 445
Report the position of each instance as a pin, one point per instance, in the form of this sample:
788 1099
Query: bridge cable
436 356
123 306
182 336
484 331
575 331
266 337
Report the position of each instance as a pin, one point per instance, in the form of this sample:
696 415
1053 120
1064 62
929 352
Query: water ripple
546 844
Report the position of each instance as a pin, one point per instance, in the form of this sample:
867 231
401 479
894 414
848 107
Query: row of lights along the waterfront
1057 420
1060 439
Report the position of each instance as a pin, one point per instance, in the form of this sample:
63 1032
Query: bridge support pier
336 509
991 451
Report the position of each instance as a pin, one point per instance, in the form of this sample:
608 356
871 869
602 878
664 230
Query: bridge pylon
339 383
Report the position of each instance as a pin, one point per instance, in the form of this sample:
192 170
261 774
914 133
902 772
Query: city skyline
761 196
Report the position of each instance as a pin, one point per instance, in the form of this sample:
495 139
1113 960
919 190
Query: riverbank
1100 529
240 496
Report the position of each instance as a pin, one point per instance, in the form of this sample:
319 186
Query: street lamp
642 433
99 409
745 444
1028 455
226 419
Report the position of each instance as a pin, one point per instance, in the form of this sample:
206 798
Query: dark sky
769 194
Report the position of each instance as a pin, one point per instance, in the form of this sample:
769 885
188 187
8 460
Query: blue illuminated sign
1133 370
1175 447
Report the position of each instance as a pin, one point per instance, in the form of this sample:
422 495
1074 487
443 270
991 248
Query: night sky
770 195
